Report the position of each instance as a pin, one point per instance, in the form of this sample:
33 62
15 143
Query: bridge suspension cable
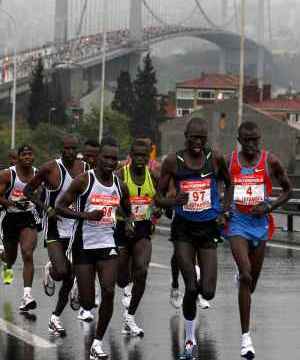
208 19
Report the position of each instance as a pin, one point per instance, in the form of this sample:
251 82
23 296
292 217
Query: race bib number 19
199 194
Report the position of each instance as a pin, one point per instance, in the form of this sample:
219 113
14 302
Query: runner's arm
77 187
125 202
224 175
280 174
5 179
31 189
166 176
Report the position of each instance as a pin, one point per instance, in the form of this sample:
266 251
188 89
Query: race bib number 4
140 206
199 194
249 190
108 204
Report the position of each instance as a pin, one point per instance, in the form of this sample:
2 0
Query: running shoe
247 348
130 327
188 351
74 297
202 303
175 298
27 303
55 326
126 296
85 315
48 282
97 352
7 275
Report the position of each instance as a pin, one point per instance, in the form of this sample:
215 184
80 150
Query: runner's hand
129 229
221 220
95 215
181 198
22 205
260 209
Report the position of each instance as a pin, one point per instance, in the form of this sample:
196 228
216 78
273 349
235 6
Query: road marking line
24 335
269 243
159 266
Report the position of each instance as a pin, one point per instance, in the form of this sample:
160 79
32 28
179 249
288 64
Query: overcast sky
35 18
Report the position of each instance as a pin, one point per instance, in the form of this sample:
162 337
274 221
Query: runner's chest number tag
17 194
249 190
199 194
108 204
140 207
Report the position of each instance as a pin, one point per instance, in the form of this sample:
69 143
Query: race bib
108 204
140 207
199 194
249 190
17 195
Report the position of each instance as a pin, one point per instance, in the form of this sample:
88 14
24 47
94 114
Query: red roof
212 81
279 104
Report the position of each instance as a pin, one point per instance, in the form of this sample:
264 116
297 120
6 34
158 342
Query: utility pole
261 42
242 64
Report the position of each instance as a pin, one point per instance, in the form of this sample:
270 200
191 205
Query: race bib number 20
199 194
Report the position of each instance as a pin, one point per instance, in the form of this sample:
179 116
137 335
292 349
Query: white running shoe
55 326
202 303
48 282
97 352
126 296
27 303
130 327
74 297
175 298
247 348
85 315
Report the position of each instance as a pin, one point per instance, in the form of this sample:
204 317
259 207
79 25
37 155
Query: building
210 88
222 118
285 109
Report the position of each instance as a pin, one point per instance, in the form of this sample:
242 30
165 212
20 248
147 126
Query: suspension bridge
133 26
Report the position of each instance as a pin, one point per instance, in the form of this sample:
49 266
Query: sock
55 316
246 334
127 289
190 330
27 291
97 342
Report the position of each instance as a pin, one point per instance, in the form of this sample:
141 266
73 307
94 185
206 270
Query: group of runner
97 216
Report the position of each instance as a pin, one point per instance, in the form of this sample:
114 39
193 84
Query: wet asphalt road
275 316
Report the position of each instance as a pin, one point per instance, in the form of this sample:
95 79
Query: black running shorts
203 235
142 230
93 256
14 223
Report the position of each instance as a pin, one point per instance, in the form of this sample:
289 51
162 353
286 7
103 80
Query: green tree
123 101
115 124
145 118
38 104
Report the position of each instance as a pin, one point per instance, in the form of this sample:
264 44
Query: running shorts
142 230
14 223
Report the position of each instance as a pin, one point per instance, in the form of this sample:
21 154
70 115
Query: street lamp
242 64
51 110
13 115
104 33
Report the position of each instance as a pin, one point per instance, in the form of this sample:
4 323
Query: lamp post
242 64
51 110
13 115
104 33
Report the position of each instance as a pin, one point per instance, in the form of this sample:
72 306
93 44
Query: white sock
190 330
246 334
27 291
55 316
127 289
97 342
197 269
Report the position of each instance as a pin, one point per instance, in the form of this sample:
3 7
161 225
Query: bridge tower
135 22
61 21
261 41
136 35
224 14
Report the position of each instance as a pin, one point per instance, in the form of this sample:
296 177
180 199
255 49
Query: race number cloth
106 203
199 192
141 207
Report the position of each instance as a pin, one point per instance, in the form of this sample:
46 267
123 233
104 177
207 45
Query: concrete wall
276 135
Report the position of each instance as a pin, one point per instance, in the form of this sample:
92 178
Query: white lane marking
269 243
24 335
159 266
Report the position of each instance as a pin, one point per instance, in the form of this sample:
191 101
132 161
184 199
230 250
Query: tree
115 124
38 105
124 96
146 110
